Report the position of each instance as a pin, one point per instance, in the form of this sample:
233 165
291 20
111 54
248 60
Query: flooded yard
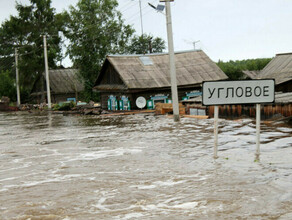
141 167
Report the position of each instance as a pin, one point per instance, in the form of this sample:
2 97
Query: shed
280 69
148 75
64 84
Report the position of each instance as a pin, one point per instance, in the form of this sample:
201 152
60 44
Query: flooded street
141 167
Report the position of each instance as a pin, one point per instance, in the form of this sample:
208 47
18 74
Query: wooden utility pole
17 78
47 73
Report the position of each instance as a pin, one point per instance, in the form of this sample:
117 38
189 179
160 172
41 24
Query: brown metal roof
192 67
280 69
65 81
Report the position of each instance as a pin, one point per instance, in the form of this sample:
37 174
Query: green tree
7 85
95 29
24 31
233 69
146 44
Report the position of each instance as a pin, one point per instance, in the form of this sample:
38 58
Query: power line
133 16
127 5
5 65
134 4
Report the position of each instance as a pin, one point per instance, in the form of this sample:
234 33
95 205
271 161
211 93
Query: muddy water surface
141 167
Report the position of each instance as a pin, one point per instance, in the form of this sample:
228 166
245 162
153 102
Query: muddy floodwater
141 167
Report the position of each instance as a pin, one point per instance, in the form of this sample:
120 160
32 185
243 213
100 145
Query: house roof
65 81
152 70
283 97
252 74
279 68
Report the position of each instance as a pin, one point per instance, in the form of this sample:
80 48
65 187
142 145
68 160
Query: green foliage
95 29
88 95
7 86
56 107
233 69
146 44
24 31
66 106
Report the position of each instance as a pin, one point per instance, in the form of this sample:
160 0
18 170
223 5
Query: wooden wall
267 111
55 98
133 95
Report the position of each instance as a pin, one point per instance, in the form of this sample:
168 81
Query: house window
146 61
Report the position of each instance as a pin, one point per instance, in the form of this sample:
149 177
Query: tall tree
95 29
146 44
24 31
233 69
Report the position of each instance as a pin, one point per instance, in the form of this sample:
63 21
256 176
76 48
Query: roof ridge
151 54
280 54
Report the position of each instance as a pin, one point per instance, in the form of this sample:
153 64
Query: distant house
64 84
148 75
280 69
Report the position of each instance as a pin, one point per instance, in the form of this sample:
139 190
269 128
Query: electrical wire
6 64
134 17
138 13
127 5
133 5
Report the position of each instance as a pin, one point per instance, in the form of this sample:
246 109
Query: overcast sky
226 29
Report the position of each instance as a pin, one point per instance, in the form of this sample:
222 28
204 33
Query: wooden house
280 69
148 75
64 84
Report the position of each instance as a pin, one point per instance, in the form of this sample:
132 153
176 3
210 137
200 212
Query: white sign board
238 92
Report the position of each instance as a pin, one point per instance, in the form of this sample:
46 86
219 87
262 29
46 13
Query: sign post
258 128
238 92
216 118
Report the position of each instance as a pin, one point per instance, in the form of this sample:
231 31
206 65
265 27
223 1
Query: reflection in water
141 167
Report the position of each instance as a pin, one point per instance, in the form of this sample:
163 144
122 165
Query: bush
66 106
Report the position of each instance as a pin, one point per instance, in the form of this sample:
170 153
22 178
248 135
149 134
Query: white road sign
238 92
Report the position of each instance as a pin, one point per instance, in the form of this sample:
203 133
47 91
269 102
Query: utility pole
141 17
47 73
172 63
17 78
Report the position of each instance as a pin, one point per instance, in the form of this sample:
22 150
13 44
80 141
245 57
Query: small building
280 69
148 75
65 84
